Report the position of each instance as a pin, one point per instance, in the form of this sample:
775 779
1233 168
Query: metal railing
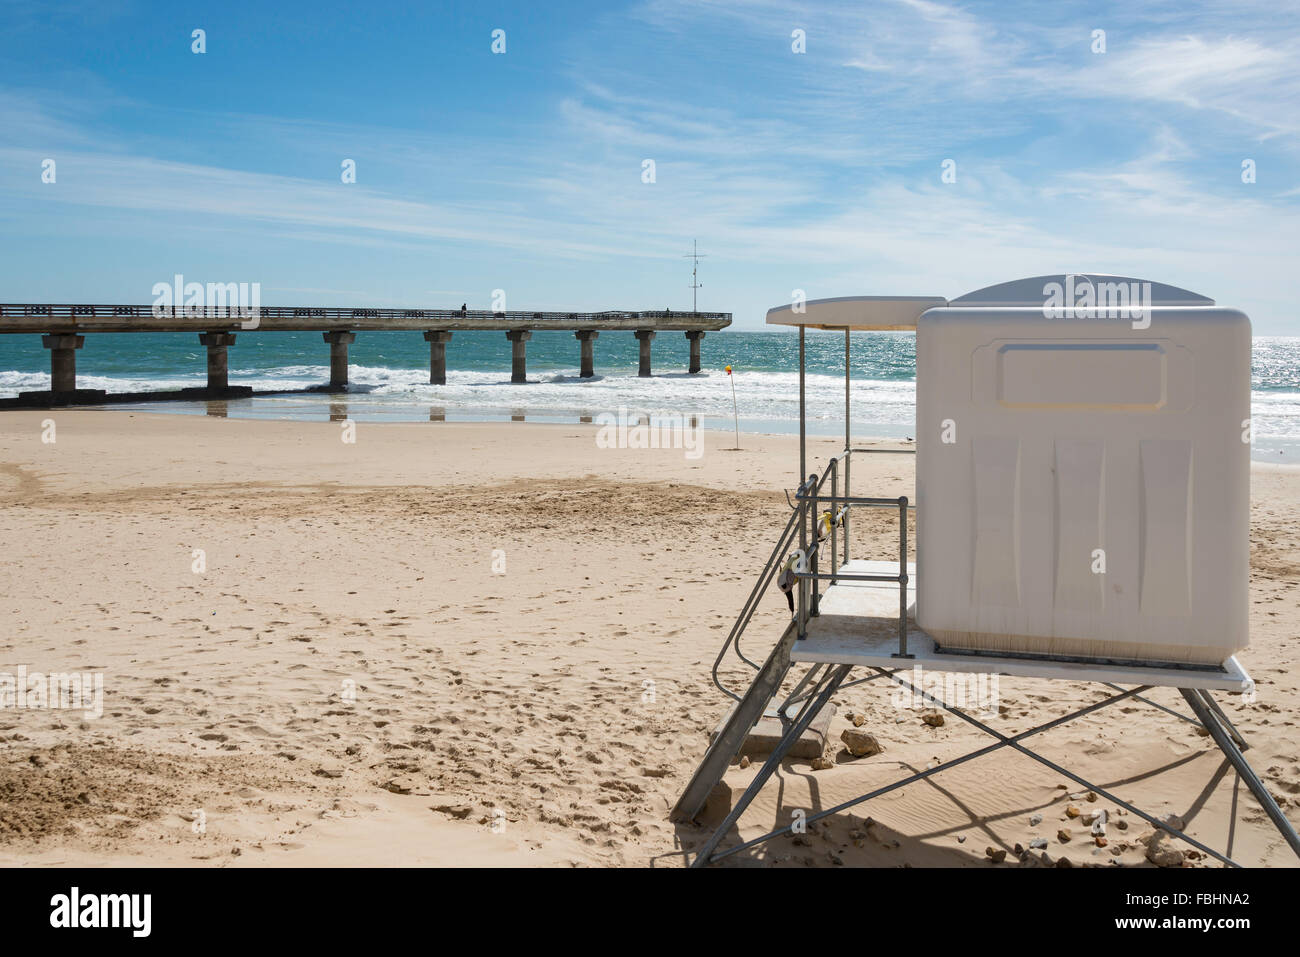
755 596
803 524
809 595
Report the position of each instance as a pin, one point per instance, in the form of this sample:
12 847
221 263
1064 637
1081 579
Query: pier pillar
437 356
518 360
63 360
645 335
586 338
695 335
339 342
217 360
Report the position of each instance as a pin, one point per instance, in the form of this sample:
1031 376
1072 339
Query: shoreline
338 410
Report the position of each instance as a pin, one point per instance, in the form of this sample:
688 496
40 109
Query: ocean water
389 374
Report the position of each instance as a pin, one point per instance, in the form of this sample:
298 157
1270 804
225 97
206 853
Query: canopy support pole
803 451
803 584
848 444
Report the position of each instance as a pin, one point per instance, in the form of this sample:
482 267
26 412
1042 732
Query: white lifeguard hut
1082 513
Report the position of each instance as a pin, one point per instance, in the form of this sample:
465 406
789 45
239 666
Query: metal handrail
808 498
811 606
821 577
857 500
751 604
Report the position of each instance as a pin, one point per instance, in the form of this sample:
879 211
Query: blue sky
522 171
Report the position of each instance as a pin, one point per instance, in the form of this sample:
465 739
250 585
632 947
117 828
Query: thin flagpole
735 411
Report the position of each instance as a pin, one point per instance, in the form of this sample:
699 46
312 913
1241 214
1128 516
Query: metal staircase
805 525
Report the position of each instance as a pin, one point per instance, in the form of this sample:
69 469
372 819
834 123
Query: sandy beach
489 644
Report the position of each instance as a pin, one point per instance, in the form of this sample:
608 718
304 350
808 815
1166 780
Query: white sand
511 708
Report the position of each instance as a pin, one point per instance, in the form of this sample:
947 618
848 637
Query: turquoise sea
389 375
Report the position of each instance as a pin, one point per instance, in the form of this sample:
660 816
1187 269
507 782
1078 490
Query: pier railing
63 328
100 317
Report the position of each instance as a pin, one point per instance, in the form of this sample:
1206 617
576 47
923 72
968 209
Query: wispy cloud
819 170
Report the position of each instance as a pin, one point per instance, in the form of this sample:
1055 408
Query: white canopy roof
855 312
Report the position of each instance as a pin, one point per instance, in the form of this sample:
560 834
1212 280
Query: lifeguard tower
1082 513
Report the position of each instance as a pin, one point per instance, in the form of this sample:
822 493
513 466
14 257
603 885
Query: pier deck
89 317
64 326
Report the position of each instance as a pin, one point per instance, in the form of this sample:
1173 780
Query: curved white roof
901 312
1032 291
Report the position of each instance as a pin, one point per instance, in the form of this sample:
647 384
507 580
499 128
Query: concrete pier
437 356
218 365
63 327
518 356
63 360
339 342
645 336
586 338
695 335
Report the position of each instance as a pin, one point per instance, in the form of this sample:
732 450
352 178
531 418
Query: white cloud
822 166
